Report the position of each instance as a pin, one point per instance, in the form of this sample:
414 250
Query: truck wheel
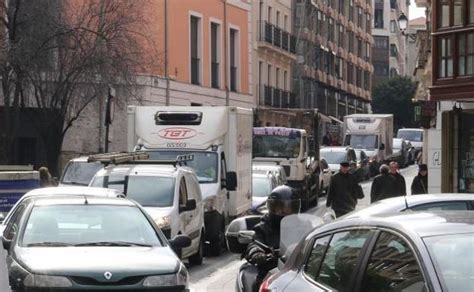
197 258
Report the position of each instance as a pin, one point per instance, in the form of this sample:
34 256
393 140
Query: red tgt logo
177 133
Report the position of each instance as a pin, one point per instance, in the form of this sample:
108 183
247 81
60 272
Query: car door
193 217
332 262
392 266
182 200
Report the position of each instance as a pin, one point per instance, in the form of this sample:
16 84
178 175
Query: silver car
420 251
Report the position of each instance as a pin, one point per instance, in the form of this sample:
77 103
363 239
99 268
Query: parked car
262 186
414 135
335 155
429 202
60 191
324 177
422 251
79 172
83 243
277 170
169 193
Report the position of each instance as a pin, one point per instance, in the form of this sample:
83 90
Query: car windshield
450 254
204 163
72 225
80 173
260 186
333 157
362 141
277 145
148 191
414 136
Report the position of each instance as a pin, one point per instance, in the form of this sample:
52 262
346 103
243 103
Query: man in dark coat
383 185
400 188
343 191
420 182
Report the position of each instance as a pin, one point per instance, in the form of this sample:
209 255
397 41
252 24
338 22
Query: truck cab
168 192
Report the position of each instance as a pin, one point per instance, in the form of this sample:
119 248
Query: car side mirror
382 147
231 181
180 241
190 205
6 243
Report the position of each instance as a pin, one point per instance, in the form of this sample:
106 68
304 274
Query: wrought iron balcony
277 37
275 97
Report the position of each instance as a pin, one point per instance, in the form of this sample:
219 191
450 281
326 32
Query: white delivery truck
371 132
219 138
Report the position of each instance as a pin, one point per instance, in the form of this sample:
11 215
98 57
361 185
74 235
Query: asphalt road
218 273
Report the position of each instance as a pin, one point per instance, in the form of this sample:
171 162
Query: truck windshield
80 173
148 191
362 141
276 146
204 163
415 136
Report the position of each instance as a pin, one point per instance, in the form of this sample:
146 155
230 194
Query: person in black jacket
343 191
383 185
282 201
400 188
420 182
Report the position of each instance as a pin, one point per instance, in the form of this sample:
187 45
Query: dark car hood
93 262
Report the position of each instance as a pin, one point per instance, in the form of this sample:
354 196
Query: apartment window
393 72
341 7
378 18
195 23
367 51
269 14
350 37
366 80
358 77
330 29
340 35
368 25
466 54
234 58
285 23
445 58
215 54
471 11
393 50
350 73
451 12
351 10
277 78
381 42
359 48
260 72
339 68
381 68
269 75
359 16
393 4
278 18
285 80
393 26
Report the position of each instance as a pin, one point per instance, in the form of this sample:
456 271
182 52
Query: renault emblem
108 275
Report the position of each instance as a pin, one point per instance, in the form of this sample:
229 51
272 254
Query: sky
415 12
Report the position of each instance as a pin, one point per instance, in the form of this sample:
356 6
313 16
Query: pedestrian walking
420 182
400 188
327 139
343 191
46 180
383 185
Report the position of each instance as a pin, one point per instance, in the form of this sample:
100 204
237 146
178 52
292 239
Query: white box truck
371 132
220 139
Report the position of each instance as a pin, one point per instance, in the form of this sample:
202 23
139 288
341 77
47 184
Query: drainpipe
166 55
226 55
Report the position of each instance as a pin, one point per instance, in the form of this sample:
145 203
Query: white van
78 172
169 193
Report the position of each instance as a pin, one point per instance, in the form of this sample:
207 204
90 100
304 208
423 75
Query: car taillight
265 284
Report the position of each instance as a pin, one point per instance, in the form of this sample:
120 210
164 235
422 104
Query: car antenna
406 202
85 201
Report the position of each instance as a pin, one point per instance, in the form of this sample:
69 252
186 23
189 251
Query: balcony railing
277 37
275 97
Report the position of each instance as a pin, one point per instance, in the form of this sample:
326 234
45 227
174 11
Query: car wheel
217 245
197 258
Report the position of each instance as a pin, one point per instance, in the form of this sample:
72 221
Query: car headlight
163 222
178 279
33 280
209 204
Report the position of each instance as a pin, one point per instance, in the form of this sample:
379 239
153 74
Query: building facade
333 70
389 50
450 144
274 48
203 52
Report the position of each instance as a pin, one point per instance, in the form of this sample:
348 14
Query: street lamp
403 22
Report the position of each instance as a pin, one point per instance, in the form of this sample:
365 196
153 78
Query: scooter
239 235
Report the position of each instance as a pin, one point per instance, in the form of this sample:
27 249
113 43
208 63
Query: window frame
199 47
218 24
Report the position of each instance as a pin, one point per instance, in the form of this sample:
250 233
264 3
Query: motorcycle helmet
283 201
